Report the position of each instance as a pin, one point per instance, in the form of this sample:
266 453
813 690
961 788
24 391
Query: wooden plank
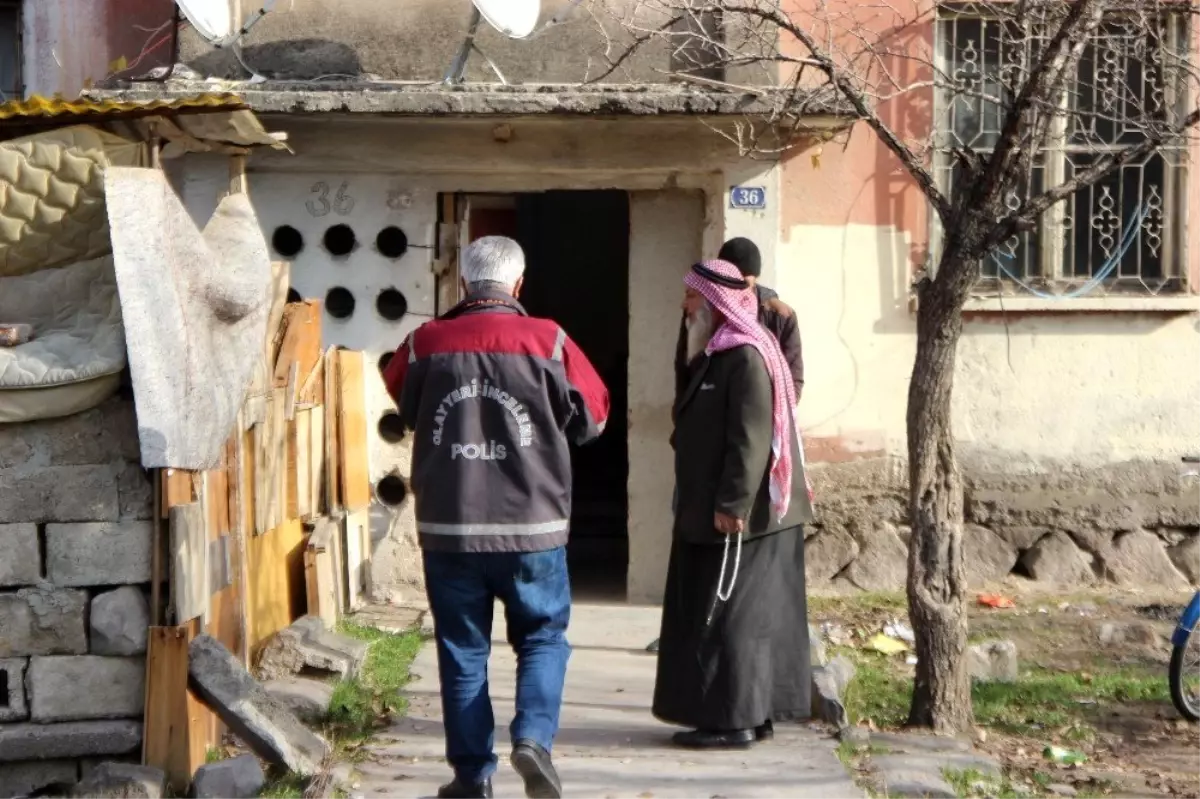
177 488
352 433
240 526
319 574
289 392
354 529
178 728
270 475
301 345
300 465
448 244
316 460
158 539
312 388
279 439
337 565
280 281
189 561
333 485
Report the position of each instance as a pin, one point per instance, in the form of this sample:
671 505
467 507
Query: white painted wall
665 238
1031 393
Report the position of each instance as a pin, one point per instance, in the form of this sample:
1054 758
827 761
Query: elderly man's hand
728 525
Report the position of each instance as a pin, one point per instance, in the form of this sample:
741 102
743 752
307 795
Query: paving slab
609 744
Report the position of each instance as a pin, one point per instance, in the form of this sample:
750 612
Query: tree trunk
936 575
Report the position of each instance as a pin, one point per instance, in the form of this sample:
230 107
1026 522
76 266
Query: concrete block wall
75 544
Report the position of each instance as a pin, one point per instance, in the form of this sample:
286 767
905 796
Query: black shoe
458 790
764 731
532 762
714 739
653 647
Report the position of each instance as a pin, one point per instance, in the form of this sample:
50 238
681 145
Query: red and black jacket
493 397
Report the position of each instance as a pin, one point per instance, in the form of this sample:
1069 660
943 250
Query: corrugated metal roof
42 108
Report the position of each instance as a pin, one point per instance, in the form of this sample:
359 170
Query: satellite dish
516 19
212 19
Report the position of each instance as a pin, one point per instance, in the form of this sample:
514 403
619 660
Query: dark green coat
722 445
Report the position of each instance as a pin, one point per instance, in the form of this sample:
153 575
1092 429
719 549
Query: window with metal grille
1126 233
11 87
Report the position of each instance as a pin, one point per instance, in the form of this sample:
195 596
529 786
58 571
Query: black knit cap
742 253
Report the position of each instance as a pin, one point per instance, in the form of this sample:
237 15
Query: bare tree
1051 149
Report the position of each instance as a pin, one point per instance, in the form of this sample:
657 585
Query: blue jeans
536 593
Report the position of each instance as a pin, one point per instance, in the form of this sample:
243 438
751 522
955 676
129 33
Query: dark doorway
577 272
576 247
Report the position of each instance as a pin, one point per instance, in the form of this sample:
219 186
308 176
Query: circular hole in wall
391 429
294 296
339 302
391 304
391 490
391 242
287 241
339 240
384 360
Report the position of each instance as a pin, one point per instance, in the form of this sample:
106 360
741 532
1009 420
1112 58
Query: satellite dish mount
455 74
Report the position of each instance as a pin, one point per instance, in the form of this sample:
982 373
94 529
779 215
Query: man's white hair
493 259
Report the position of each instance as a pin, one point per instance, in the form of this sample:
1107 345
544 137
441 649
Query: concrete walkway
609 745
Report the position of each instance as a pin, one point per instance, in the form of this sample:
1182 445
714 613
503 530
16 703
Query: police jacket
493 397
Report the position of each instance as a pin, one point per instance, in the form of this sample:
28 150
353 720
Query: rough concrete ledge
425 99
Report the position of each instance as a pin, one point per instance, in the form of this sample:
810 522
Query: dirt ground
1093 679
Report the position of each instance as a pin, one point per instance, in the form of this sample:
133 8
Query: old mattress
52 210
77 352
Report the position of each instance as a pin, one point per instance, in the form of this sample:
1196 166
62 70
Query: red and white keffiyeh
722 284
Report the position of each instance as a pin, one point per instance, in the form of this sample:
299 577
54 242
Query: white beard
699 331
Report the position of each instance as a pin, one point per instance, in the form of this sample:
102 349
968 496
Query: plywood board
178 727
189 561
352 433
276 581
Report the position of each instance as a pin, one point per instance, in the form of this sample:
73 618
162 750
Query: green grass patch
213 755
877 692
891 601
284 786
1043 699
971 783
1040 700
362 705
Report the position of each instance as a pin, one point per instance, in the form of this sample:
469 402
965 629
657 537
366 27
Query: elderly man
774 314
495 397
731 658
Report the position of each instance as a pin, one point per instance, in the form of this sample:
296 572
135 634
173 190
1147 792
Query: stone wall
1135 524
75 543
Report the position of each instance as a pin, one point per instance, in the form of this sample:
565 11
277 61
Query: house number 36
320 204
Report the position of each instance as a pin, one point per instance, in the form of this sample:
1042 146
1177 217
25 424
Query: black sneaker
764 731
459 790
532 762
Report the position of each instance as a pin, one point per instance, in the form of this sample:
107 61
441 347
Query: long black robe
751 663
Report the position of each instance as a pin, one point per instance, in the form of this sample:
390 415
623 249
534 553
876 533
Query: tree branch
858 101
